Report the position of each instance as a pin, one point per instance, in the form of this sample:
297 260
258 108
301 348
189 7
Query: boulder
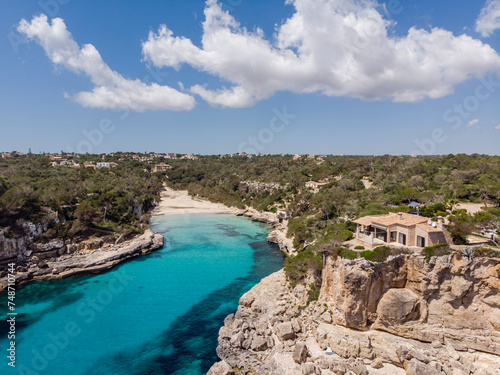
220 368
398 306
237 340
359 368
326 317
259 343
308 369
285 331
415 367
300 352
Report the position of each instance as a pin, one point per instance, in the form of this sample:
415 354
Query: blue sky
432 104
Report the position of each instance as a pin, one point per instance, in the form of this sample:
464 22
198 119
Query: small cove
158 314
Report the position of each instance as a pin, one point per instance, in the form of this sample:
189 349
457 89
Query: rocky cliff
58 260
18 249
403 316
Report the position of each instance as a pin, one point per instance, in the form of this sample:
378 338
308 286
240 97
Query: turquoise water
157 314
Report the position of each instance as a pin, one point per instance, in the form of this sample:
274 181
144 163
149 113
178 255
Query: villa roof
428 228
401 218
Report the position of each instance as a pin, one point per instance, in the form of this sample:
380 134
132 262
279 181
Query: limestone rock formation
85 261
403 316
448 299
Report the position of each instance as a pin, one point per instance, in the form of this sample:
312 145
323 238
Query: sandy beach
175 202
472 208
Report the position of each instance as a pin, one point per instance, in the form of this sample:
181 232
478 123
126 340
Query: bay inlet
157 314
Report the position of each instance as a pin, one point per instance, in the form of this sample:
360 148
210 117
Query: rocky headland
59 259
402 316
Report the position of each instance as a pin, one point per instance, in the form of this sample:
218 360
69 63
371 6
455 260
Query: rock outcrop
449 299
403 316
263 217
18 248
91 256
278 236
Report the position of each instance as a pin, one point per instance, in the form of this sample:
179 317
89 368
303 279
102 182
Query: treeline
85 201
396 180
356 186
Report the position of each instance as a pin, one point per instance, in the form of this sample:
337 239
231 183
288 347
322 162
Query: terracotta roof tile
392 219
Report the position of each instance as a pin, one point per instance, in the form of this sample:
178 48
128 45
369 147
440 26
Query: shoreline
179 202
106 256
86 261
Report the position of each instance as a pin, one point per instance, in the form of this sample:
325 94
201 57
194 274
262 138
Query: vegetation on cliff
75 201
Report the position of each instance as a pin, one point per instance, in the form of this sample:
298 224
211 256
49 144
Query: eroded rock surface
85 258
403 316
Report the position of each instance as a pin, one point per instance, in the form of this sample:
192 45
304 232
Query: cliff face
85 258
403 316
17 249
447 299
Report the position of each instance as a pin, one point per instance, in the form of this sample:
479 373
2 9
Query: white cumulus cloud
489 19
472 123
334 47
497 127
111 90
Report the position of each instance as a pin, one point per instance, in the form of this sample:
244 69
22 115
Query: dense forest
356 186
75 201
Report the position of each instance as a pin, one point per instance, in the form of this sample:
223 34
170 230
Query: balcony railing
369 238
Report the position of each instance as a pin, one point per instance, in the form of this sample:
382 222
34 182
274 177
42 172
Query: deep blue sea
157 314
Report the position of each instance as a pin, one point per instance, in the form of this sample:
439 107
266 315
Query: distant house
103 165
283 213
171 155
189 157
161 167
413 204
400 228
89 164
315 186
6 155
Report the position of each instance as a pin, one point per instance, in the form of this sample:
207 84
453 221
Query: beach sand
472 208
175 202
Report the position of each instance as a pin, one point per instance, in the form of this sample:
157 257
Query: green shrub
359 248
486 252
346 235
348 254
313 293
436 250
379 254
297 267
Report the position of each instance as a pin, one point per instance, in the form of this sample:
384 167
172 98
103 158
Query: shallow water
158 314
